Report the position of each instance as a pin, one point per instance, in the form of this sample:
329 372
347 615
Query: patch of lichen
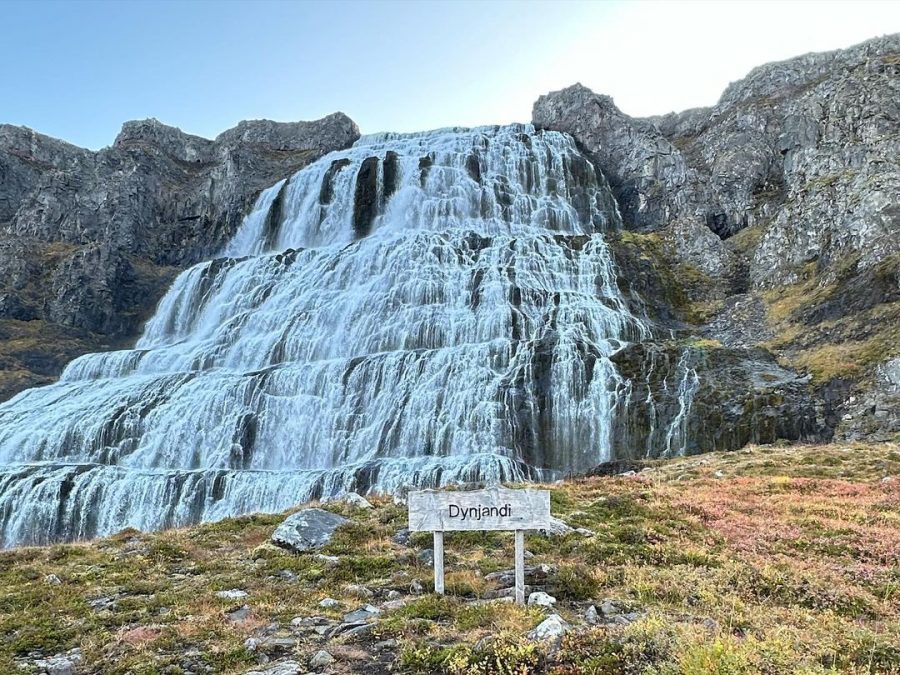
746 241
782 559
672 290
840 328
32 353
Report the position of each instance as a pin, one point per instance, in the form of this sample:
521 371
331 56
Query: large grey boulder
307 530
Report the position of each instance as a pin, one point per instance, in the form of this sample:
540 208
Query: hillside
768 559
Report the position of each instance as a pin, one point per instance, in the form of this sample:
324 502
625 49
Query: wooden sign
494 508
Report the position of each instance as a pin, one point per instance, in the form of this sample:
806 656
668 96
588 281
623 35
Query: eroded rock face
786 188
647 173
732 397
90 240
805 148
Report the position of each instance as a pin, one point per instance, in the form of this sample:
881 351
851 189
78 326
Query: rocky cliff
777 212
762 231
89 241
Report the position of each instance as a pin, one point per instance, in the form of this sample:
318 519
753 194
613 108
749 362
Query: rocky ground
769 559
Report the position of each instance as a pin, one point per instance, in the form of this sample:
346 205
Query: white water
459 332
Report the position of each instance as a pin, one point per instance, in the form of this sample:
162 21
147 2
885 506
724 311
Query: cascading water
419 309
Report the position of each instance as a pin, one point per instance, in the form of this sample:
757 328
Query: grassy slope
767 559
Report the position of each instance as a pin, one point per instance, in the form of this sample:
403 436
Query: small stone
385 644
353 499
329 560
362 614
359 630
328 603
584 532
232 594
103 603
286 575
394 604
591 616
60 664
303 621
280 668
321 659
608 608
358 590
847 417
551 628
416 588
719 474
557 528
541 599
401 536
394 595
426 557
52 579
528 555
509 592
238 613
251 644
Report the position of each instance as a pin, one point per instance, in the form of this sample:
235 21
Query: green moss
575 582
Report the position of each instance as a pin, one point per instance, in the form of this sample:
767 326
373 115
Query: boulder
320 659
541 599
361 614
551 628
307 530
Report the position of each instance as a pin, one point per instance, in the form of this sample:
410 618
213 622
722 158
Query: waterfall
420 309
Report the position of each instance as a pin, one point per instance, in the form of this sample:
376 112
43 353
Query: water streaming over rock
419 309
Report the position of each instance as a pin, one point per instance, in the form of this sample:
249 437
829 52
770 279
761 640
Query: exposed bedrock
777 209
89 241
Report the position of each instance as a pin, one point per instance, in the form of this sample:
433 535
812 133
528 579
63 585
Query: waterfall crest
419 309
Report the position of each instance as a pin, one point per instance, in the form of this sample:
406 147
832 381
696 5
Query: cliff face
89 241
778 210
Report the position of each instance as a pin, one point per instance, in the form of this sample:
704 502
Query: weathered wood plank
439 562
494 508
520 567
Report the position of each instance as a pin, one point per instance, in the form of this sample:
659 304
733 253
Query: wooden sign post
493 508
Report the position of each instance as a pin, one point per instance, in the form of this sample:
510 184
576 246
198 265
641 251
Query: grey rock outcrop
307 530
89 241
806 148
789 185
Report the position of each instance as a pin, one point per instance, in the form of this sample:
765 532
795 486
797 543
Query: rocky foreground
769 559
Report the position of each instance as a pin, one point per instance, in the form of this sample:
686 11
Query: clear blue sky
77 70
